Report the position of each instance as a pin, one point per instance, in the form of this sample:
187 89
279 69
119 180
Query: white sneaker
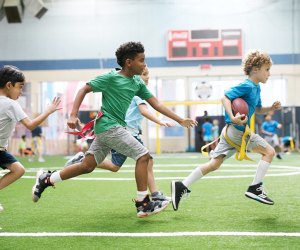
1 208
75 159
41 160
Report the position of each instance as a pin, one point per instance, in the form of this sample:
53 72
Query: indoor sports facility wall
76 41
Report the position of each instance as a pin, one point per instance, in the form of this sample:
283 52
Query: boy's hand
239 119
54 105
188 123
276 105
72 122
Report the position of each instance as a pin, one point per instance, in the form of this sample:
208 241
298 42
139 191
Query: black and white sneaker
159 196
41 183
178 191
256 192
146 207
75 159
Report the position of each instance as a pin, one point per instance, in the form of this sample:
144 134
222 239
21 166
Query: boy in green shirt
118 88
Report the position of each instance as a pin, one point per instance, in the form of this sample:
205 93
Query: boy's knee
21 170
271 152
145 157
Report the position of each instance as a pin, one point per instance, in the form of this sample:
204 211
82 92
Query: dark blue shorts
6 159
119 159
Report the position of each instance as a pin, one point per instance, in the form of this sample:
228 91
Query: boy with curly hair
118 88
256 66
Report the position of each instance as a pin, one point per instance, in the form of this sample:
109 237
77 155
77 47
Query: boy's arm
167 112
262 110
73 119
32 124
146 113
235 119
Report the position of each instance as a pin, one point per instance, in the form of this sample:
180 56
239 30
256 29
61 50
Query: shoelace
262 190
185 194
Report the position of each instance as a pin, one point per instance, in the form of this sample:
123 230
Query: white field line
283 171
170 178
155 234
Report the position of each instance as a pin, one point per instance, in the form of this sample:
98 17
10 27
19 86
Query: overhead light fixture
13 10
36 7
2 12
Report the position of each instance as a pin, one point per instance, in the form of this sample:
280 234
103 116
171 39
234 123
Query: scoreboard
204 44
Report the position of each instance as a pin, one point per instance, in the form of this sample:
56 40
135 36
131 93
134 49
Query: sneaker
159 196
256 192
41 160
146 207
75 159
1 208
178 191
278 156
42 182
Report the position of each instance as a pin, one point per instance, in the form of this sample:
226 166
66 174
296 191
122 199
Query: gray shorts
272 140
225 149
119 139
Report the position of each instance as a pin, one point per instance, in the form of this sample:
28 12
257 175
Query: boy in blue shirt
269 131
256 66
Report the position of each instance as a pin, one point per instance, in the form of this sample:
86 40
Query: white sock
55 177
261 171
141 195
194 176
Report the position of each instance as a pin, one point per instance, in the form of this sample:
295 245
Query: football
238 105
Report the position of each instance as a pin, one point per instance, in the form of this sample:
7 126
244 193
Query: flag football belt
292 143
82 132
240 150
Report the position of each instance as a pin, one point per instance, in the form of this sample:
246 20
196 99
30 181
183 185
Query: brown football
238 105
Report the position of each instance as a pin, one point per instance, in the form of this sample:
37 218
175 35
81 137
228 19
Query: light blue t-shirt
134 117
248 91
270 126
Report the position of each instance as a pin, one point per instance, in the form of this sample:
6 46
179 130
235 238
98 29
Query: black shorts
6 159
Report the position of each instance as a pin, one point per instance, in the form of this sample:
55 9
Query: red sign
204 44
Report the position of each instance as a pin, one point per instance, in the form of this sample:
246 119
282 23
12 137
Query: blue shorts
119 159
6 159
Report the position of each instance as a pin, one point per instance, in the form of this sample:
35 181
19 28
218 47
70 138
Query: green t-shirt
117 93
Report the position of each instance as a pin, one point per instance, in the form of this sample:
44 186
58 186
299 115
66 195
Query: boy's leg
47 179
180 189
16 171
255 190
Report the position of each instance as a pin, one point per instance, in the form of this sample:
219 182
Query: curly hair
128 50
9 73
255 58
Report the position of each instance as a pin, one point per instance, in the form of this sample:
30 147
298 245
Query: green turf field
96 211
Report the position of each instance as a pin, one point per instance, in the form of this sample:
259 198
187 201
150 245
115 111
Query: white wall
74 29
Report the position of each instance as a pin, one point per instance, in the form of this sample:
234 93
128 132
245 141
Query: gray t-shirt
10 113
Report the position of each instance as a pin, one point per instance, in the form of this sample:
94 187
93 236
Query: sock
55 177
261 171
194 176
141 195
